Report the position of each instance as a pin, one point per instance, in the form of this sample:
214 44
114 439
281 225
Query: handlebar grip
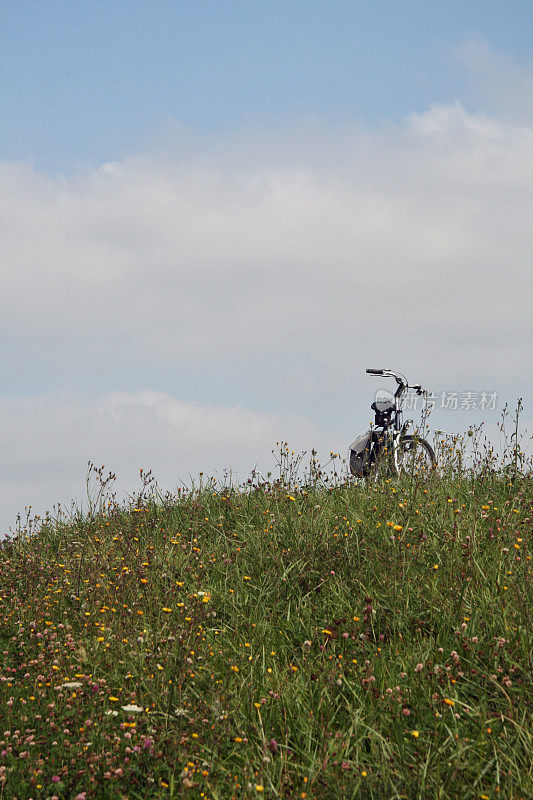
375 371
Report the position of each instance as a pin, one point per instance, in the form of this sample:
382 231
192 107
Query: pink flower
81 796
55 778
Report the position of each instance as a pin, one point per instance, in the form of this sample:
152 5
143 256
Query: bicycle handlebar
400 379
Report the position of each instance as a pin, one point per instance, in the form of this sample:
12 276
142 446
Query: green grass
347 641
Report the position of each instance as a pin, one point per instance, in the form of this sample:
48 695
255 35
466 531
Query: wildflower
416 734
449 702
259 787
71 685
238 739
166 610
435 566
132 709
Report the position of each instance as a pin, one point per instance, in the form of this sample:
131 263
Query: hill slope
351 641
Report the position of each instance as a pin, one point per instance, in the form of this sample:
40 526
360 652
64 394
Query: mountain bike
387 449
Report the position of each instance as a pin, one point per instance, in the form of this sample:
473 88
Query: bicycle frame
395 428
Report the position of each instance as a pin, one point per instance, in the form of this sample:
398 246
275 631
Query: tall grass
293 637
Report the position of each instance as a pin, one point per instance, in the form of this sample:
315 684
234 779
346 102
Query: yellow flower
416 734
397 527
326 631
435 566
238 739
114 699
449 702
259 788
167 610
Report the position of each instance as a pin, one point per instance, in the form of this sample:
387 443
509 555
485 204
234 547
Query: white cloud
225 254
499 81
47 443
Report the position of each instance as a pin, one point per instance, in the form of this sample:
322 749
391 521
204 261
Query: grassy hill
275 640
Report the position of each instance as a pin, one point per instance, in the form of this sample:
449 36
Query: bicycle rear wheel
415 456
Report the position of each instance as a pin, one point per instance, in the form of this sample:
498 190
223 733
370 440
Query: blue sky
89 82
215 215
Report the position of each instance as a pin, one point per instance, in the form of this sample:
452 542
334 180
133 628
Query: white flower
133 709
111 713
71 685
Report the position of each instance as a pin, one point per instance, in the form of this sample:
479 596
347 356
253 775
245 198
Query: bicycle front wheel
415 456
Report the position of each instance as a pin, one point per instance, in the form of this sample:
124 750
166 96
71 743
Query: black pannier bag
360 462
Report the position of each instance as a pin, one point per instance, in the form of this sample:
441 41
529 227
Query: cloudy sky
214 216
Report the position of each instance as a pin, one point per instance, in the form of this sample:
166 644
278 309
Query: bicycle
387 448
